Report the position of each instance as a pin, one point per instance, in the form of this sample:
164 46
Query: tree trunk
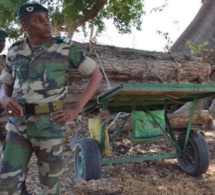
177 120
180 120
200 30
137 66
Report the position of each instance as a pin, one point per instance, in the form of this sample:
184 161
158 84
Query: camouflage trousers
37 135
3 132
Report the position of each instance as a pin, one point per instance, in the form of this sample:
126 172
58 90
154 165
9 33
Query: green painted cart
191 149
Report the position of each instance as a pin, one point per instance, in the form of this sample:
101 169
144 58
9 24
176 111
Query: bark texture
181 120
137 66
177 120
200 30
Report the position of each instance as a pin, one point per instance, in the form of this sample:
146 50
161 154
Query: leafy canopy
68 15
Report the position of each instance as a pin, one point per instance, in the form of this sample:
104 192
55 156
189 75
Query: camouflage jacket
40 77
2 65
2 62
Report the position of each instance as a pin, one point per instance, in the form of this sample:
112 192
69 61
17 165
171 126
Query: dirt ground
157 177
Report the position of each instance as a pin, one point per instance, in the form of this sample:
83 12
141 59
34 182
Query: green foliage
202 50
197 49
7 17
125 14
160 8
166 36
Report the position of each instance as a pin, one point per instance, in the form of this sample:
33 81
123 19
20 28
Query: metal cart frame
191 149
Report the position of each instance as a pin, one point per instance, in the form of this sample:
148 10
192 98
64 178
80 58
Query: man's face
38 25
2 44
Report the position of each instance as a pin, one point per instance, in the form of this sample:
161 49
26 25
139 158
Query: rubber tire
88 160
197 159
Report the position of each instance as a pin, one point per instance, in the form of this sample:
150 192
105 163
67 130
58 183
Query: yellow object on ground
95 127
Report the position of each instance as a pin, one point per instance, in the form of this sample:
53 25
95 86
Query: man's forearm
5 90
90 90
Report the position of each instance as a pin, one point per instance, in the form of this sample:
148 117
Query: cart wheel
88 161
197 158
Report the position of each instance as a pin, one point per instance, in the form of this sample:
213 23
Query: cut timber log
177 120
123 65
180 120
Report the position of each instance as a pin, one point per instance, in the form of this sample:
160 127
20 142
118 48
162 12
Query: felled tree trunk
177 120
180 120
137 66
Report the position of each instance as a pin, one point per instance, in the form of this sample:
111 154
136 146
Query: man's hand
12 107
63 116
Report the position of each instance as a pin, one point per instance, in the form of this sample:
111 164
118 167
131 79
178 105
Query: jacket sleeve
77 59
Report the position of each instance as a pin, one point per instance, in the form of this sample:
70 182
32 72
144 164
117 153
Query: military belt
42 108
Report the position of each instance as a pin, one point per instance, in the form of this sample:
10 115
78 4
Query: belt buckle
52 106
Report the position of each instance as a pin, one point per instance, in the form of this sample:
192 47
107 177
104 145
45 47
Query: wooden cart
191 149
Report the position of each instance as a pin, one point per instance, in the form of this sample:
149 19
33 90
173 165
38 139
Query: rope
103 71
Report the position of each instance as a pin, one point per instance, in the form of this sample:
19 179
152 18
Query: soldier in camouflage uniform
3 132
3 36
35 75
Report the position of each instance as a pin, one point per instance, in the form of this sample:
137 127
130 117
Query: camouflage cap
3 34
28 8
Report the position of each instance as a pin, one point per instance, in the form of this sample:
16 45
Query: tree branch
92 14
